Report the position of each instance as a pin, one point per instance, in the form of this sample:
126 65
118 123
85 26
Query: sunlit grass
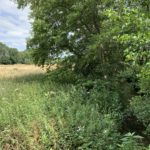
11 71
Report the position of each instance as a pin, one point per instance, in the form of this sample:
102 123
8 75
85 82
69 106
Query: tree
13 56
77 27
24 57
8 55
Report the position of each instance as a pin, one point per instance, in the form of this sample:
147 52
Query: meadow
24 95
38 114
21 96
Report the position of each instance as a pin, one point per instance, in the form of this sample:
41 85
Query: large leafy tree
93 32
79 28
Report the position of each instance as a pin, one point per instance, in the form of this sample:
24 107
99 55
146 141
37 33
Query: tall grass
22 102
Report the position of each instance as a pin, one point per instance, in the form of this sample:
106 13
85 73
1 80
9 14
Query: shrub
140 105
75 125
62 75
131 142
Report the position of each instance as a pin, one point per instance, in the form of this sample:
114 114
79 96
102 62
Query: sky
14 25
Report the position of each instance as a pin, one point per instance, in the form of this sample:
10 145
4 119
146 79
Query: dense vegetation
100 91
38 114
13 56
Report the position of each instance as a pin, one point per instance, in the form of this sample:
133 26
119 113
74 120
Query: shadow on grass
30 78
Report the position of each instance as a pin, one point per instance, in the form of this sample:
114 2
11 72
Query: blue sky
14 25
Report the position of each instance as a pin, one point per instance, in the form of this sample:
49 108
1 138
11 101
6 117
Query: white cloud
14 24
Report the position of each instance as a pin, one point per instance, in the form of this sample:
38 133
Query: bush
140 105
62 75
75 125
105 95
131 142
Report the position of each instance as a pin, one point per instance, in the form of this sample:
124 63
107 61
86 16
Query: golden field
10 71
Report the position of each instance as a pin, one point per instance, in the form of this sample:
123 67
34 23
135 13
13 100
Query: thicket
13 56
106 50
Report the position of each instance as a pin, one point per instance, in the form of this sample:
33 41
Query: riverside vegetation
97 97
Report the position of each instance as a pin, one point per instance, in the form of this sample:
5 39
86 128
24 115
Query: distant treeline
13 56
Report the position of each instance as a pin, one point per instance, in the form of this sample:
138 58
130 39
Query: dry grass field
10 71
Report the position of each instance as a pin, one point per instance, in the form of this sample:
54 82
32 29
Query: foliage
99 37
13 56
62 75
74 130
24 57
77 28
7 55
130 142
140 104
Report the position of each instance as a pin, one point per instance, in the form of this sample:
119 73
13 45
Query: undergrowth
37 114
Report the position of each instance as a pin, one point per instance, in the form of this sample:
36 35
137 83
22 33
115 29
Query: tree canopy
95 34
